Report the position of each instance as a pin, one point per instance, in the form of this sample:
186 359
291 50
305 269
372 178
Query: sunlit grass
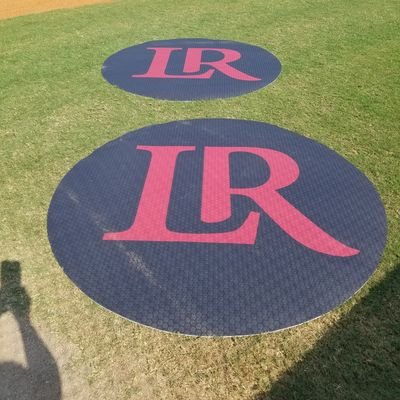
340 85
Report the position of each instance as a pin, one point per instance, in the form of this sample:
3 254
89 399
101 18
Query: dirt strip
15 8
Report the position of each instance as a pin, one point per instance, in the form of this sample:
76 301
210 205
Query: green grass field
340 85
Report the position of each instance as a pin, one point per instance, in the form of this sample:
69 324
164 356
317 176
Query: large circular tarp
216 227
191 69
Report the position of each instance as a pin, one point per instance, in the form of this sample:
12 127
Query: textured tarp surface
254 61
214 288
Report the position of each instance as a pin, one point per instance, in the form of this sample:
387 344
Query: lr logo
151 217
216 227
190 69
193 64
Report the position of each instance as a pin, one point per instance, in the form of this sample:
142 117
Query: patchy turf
15 8
339 85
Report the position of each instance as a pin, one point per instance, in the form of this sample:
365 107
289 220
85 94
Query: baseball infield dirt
15 8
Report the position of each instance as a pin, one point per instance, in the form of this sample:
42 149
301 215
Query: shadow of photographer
40 380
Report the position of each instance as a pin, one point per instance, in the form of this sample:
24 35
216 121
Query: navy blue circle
254 61
215 289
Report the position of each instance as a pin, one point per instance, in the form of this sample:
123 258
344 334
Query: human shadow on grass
40 380
357 359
